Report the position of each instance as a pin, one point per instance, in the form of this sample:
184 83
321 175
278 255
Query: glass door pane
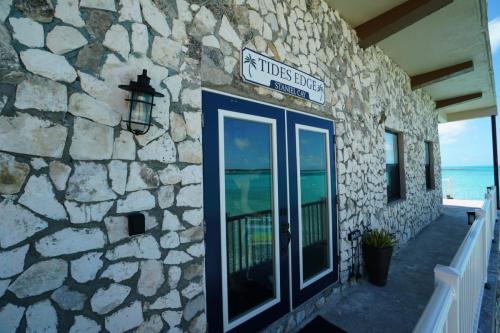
249 215
245 197
313 203
313 221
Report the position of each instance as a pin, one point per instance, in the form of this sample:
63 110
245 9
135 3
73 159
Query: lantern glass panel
140 111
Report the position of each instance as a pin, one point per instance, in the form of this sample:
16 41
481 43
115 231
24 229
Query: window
393 166
429 165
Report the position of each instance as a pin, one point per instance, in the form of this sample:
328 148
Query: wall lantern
141 103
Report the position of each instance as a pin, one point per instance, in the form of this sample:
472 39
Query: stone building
228 172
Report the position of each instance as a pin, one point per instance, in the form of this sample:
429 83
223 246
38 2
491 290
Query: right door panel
312 205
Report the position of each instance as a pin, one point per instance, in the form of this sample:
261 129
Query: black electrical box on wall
136 224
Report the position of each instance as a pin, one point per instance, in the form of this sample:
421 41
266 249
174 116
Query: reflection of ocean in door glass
312 182
314 202
249 216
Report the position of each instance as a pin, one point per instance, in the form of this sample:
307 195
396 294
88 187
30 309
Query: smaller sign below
260 69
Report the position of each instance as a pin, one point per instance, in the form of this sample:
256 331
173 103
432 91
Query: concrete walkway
398 306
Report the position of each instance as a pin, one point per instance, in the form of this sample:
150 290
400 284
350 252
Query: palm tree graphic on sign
322 95
251 63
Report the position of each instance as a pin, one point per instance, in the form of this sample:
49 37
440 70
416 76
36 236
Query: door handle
285 235
285 238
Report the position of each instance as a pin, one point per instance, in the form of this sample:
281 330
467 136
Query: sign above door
264 71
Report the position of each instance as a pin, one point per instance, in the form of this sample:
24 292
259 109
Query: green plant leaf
379 239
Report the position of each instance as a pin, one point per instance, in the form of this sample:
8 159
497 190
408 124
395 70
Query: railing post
486 232
493 211
450 277
495 157
485 214
491 198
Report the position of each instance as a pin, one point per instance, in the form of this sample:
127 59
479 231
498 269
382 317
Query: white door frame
326 133
222 114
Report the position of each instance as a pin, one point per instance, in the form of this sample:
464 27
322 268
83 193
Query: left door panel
245 200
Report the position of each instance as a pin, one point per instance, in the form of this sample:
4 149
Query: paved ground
397 306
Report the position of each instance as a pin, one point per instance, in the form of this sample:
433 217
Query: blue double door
270 213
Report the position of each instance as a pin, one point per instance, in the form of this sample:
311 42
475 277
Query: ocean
248 192
468 182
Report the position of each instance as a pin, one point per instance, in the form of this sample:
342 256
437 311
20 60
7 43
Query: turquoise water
250 191
467 182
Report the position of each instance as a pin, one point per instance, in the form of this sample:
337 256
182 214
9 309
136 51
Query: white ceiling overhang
455 33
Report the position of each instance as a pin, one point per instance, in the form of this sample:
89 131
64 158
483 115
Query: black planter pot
377 262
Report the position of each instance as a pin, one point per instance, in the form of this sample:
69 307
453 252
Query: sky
468 143
244 143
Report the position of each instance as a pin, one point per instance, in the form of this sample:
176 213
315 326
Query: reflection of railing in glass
249 236
314 217
249 240
250 261
314 238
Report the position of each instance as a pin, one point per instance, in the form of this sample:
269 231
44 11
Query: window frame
401 167
430 180
230 323
326 133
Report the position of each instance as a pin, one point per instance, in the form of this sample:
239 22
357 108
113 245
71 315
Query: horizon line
467 166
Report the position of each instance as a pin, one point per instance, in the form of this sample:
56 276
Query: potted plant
377 253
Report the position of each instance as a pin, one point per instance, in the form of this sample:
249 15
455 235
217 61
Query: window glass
392 166
250 221
391 148
313 203
428 165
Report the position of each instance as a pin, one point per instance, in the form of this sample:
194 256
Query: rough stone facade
69 172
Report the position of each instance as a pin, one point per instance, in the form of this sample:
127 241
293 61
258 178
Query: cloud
494 29
241 143
450 132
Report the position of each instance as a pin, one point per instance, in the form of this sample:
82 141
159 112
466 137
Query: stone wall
366 93
69 173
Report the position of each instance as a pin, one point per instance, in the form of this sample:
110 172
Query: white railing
456 302
447 186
